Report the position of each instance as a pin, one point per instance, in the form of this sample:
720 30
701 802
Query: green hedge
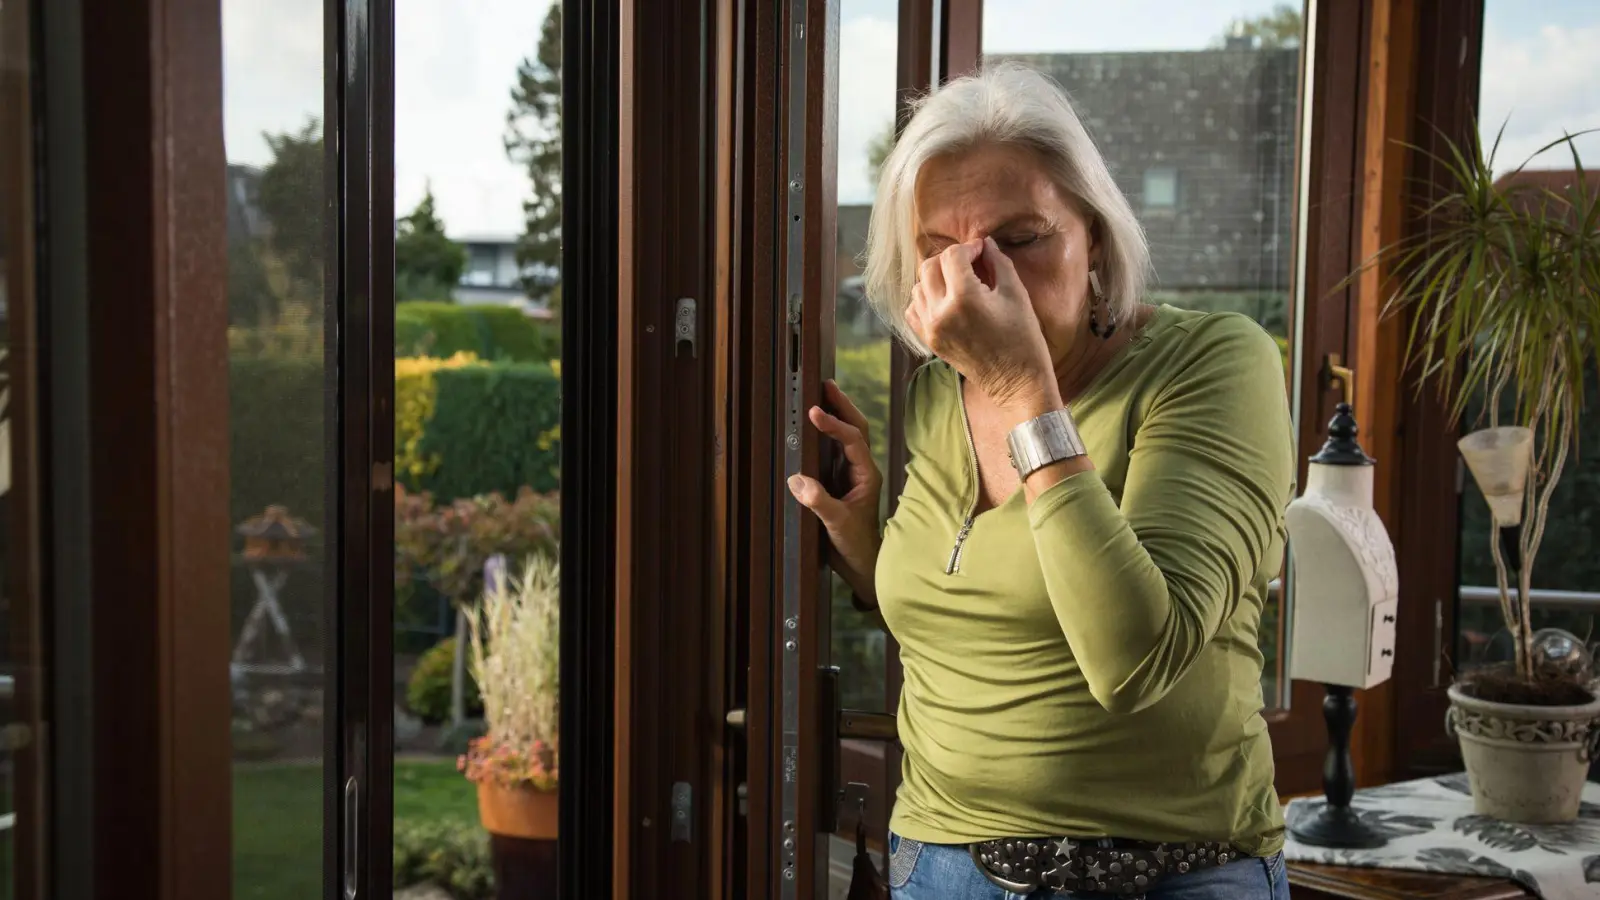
428 688
278 455
490 332
493 429
446 853
276 421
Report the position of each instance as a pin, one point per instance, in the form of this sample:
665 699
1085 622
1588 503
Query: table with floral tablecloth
1431 827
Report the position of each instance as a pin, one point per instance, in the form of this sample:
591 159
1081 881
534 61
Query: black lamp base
1338 827
1335 823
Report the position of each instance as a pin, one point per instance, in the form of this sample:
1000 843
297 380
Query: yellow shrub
415 393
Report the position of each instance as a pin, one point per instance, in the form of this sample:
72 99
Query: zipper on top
954 565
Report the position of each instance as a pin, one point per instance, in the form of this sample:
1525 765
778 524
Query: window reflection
276 235
1539 80
868 39
1195 107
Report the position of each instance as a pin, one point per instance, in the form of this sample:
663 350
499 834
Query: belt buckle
992 868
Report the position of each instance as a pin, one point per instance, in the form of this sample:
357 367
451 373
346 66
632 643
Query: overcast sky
456 59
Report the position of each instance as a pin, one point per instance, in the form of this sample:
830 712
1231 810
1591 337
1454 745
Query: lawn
277 820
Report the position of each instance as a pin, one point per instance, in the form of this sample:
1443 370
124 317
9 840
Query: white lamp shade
1498 459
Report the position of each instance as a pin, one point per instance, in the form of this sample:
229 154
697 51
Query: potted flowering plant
515 645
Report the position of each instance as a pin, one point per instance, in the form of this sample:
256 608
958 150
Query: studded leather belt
1118 867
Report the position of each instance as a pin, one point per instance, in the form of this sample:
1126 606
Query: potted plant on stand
1503 288
515 646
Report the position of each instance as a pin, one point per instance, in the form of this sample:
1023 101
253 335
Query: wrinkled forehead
974 192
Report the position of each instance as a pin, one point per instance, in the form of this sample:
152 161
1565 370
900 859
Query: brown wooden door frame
1448 48
755 328
669 673
158 393
1331 135
152 518
781 222
804 758
158 534
358 729
590 656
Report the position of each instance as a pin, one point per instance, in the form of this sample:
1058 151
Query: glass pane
868 35
477 432
1538 81
281 456
1196 110
868 44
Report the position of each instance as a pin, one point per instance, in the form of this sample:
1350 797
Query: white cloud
1541 85
867 48
455 62
1077 26
271 71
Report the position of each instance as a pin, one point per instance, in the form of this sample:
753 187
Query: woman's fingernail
794 483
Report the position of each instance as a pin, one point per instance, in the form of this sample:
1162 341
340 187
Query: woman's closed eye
1019 241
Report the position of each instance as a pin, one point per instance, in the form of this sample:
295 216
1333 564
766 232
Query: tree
251 300
533 140
292 196
1280 28
427 264
878 150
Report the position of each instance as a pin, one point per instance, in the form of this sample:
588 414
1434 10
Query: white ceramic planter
1526 764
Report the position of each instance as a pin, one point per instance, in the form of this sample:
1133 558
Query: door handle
860 725
854 725
352 869
834 724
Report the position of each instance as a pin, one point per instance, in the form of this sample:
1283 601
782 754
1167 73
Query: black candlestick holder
1335 823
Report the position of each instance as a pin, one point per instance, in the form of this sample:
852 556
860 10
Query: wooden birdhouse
275 535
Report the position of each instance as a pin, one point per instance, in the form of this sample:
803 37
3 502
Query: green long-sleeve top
1090 667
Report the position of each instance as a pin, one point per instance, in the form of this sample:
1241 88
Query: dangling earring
1097 300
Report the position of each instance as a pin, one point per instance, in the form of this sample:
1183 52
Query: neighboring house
1557 181
492 275
1202 144
245 219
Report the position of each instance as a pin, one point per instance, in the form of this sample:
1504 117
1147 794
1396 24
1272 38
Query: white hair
1003 104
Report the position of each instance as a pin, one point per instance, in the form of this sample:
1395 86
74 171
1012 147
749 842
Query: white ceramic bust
1346 586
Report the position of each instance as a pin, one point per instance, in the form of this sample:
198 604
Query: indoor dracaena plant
1502 285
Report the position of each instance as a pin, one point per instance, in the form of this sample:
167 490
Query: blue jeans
919 871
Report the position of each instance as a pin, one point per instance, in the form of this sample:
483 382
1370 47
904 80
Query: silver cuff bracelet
1037 443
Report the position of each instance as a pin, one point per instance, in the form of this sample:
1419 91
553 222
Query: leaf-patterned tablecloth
1432 827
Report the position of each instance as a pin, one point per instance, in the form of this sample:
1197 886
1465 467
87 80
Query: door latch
682 812
686 327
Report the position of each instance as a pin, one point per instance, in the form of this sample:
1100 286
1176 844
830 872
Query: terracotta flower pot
519 811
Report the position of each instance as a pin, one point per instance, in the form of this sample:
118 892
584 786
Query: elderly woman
1093 509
